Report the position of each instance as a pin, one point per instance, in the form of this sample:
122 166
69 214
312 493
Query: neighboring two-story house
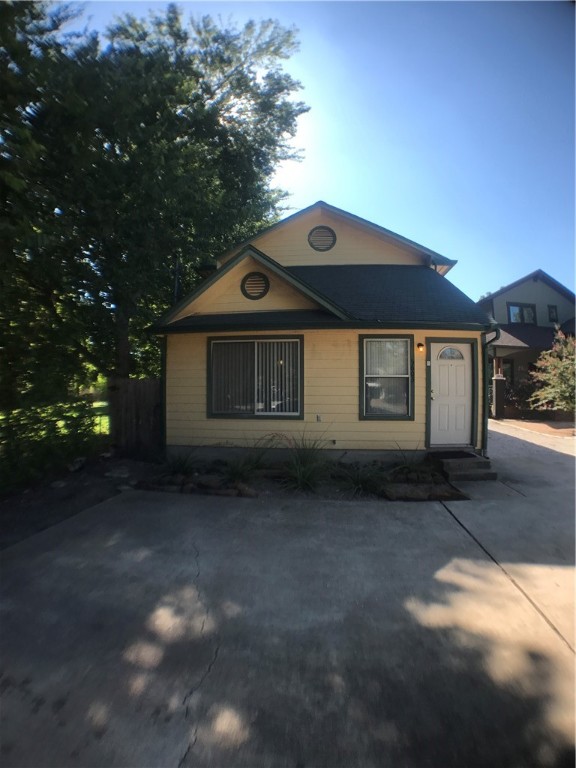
328 326
527 312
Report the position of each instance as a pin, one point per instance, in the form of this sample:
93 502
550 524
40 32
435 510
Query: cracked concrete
157 630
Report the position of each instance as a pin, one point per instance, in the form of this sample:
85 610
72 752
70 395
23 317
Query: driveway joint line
513 489
196 687
509 577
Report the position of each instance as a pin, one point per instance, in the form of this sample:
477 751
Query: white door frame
449 341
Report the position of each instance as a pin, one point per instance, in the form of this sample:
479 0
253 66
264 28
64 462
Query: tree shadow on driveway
169 631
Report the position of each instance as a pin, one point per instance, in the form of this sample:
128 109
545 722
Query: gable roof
538 274
273 266
433 258
390 296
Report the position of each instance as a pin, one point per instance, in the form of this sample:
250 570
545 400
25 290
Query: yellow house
328 326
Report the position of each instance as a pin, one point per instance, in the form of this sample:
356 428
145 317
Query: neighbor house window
522 313
251 378
552 313
386 377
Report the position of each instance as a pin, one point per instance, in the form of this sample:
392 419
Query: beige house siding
538 293
331 394
288 244
226 296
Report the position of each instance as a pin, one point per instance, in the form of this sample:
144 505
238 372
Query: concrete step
479 474
471 467
474 462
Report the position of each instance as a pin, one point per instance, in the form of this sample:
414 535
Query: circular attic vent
322 238
255 285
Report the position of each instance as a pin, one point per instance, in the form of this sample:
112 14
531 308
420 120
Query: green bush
555 375
361 479
39 439
306 465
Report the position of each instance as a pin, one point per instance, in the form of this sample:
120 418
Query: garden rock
77 464
209 482
245 491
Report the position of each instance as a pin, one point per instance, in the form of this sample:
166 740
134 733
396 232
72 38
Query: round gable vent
255 285
322 238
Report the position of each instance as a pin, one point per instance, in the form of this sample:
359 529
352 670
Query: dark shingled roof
525 336
409 295
370 295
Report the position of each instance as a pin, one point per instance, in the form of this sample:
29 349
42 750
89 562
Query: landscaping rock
209 482
245 491
221 491
77 464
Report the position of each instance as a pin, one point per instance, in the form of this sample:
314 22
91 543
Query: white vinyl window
252 378
387 378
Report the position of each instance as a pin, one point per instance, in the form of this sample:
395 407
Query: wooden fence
136 423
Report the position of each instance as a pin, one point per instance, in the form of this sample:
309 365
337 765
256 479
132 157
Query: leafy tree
555 375
124 167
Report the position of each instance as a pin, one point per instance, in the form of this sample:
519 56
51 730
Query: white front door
450 394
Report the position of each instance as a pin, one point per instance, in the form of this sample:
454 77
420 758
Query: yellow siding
331 392
288 244
225 295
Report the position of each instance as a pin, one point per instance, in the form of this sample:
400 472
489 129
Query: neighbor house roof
525 336
433 257
538 274
390 296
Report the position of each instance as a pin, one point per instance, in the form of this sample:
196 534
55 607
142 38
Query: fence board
136 415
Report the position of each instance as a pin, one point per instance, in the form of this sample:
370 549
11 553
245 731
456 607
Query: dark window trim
552 310
363 416
521 304
255 416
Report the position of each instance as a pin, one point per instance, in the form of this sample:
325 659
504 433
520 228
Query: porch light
420 347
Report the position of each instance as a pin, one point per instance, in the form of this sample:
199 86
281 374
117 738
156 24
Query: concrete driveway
164 630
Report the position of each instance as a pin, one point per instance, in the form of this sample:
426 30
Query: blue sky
450 123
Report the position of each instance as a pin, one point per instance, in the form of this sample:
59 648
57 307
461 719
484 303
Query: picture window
254 378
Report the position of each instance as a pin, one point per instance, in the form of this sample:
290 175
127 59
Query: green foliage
37 440
241 469
126 163
361 479
307 465
179 464
555 375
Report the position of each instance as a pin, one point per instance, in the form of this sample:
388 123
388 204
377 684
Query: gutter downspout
485 343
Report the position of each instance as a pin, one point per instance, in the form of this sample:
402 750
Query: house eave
320 326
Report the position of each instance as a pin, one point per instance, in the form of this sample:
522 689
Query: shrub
39 439
306 465
361 479
555 375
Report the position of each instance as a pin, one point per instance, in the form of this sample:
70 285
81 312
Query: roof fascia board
346 325
251 251
435 258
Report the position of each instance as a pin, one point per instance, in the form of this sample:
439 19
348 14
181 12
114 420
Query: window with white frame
386 378
255 377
